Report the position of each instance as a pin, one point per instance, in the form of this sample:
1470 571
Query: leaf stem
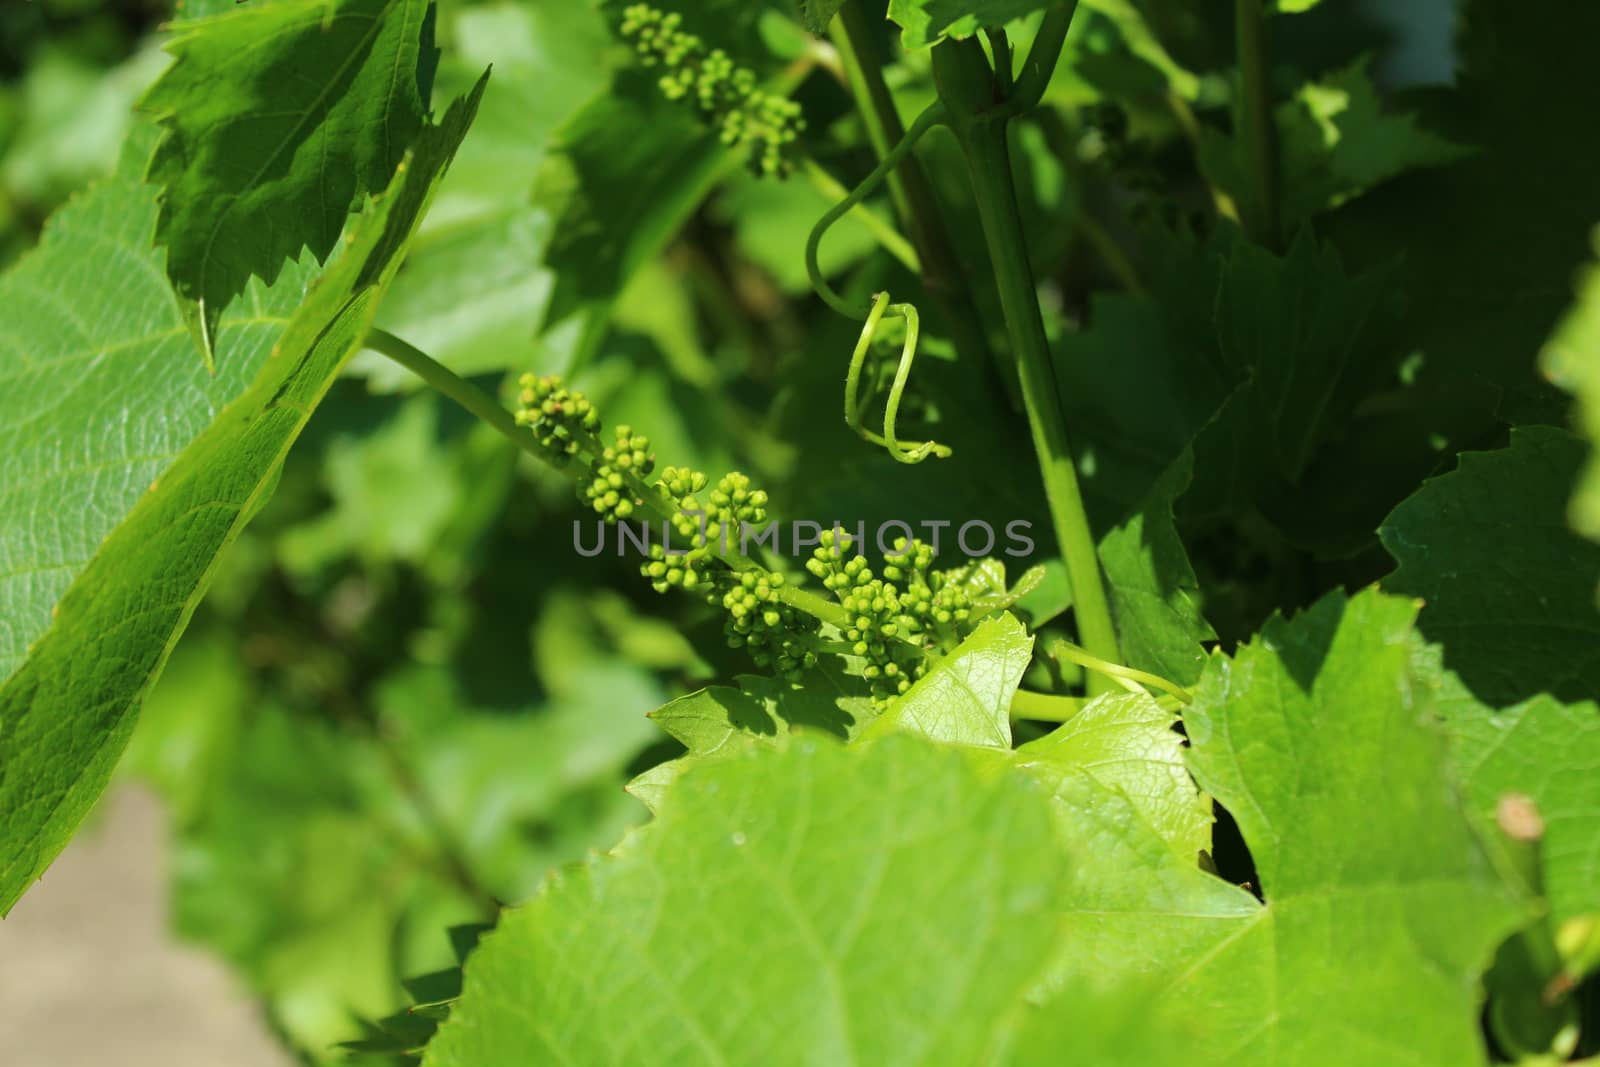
1134 680
443 380
1044 707
965 84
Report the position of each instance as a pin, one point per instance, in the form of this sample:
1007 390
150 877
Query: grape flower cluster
896 619
727 95
713 525
561 418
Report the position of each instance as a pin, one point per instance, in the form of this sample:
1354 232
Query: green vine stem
479 403
1255 120
1044 707
979 119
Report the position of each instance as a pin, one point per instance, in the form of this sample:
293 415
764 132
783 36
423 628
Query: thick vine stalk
978 116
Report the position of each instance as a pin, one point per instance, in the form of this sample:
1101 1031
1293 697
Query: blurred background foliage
408 698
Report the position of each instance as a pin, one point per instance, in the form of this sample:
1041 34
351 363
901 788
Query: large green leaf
279 118
1508 587
100 394
1381 907
877 904
65 714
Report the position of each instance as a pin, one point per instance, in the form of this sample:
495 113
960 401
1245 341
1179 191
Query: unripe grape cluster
727 95
775 635
702 526
609 491
894 619
561 418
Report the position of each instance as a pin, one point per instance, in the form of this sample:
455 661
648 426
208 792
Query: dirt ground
90 976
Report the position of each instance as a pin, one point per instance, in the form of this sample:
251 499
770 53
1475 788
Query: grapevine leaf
1126 743
278 119
632 165
1550 753
60 501
926 22
1294 327
1313 737
1484 289
1572 359
473 291
1508 587
818 13
719 722
1139 387
965 698
1155 595
1337 141
65 714
1108 1027
814 903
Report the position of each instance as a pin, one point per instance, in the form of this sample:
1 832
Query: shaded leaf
925 22
1337 140
1508 588
632 167
278 118
818 13
720 722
